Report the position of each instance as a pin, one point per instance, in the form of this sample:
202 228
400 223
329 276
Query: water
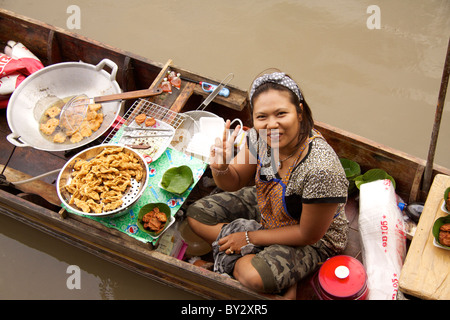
34 265
382 84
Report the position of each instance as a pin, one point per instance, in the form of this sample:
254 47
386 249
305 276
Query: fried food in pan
99 184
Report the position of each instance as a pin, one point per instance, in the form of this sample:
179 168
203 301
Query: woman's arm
231 174
314 222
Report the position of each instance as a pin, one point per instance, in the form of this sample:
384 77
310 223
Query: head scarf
279 78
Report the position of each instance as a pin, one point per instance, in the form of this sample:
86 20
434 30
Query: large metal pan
36 93
129 198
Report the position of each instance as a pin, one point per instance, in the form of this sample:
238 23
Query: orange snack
154 220
140 118
149 121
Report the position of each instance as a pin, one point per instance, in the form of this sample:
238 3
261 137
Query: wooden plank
234 100
41 188
406 169
426 271
186 92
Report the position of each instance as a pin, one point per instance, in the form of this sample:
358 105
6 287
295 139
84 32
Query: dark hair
307 123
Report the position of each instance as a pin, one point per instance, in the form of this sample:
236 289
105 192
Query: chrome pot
41 89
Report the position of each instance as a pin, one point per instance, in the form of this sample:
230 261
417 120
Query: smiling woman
294 215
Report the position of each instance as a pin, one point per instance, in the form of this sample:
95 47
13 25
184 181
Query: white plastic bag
383 238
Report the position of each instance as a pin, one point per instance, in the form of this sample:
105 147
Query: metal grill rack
151 109
165 119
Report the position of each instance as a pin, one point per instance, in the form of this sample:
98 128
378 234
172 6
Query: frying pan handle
13 139
110 64
129 95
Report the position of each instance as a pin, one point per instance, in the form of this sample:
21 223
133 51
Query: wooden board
426 271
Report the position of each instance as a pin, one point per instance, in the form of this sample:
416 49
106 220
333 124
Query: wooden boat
36 203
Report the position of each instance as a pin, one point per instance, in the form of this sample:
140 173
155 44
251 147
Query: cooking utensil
216 91
130 197
36 93
79 104
165 119
147 136
83 99
209 87
190 125
146 129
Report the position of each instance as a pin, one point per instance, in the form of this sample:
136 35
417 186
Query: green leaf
351 168
437 224
447 199
373 175
177 179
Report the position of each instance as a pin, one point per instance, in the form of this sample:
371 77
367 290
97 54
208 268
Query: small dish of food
441 232
155 218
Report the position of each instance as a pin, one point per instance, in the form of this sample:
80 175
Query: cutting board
426 271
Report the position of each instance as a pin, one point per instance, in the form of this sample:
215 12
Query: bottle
176 81
171 75
166 86
412 210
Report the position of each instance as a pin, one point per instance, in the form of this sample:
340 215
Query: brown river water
375 73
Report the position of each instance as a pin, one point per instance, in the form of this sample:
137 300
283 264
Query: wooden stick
437 123
128 95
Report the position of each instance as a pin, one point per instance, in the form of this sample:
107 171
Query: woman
273 234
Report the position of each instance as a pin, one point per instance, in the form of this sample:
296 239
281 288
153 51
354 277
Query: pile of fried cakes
77 124
98 184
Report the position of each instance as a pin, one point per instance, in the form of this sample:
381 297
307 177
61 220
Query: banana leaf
437 224
177 179
373 175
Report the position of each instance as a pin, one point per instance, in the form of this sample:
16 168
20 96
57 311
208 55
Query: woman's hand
222 152
232 243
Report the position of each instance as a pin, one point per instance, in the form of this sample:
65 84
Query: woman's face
275 116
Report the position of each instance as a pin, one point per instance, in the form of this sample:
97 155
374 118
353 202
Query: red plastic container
341 278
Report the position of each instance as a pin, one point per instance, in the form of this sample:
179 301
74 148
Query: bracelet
219 172
247 238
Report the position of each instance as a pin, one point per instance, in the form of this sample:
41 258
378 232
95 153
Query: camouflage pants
279 266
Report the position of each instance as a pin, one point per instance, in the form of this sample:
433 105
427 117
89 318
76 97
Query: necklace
280 162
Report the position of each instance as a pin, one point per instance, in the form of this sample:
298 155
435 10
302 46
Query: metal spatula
75 110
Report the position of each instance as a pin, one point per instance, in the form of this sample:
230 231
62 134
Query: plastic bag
383 237
15 65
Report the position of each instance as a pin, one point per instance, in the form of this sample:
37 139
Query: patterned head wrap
279 78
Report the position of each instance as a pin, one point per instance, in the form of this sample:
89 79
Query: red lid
342 277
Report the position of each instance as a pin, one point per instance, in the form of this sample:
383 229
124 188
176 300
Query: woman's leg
208 233
246 274
281 267
207 216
